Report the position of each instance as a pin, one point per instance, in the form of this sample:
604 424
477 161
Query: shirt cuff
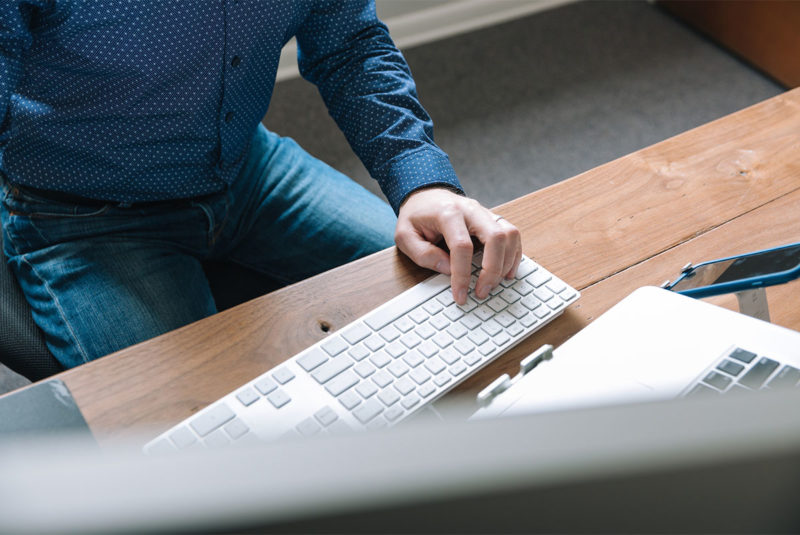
420 169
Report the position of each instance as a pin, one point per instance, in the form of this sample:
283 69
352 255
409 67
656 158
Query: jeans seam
59 308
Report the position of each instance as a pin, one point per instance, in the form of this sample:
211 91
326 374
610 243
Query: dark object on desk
44 408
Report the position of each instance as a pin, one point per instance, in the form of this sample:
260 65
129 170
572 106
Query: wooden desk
727 187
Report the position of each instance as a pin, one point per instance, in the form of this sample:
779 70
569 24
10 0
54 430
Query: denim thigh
98 278
297 216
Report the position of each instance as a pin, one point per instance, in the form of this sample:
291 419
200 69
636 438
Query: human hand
430 214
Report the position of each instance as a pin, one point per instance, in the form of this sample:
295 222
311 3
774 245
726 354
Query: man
132 151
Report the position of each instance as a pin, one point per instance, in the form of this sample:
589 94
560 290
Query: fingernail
461 296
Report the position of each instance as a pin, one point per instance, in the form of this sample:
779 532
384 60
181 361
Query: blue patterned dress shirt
140 100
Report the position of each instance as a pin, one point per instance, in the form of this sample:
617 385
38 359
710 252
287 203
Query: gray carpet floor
522 105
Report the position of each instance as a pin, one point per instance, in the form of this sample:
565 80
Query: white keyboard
382 367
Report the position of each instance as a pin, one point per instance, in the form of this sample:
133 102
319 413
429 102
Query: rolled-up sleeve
367 86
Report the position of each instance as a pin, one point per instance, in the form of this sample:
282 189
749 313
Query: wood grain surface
727 187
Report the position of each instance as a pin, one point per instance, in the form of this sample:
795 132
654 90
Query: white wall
414 22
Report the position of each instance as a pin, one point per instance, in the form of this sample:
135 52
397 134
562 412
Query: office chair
22 346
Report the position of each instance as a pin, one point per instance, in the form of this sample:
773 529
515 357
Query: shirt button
236 61
229 117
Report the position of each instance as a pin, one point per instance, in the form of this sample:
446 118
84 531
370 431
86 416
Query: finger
421 251
456 236
513 251
495 263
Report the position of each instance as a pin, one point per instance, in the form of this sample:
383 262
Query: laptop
656 345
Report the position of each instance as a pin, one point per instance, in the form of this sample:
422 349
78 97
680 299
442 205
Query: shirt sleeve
15 38
367 86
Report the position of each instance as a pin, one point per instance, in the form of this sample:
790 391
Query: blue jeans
100 277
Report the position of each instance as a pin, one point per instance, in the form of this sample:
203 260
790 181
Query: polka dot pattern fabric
133 100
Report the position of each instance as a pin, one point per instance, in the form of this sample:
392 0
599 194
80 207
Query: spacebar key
406 301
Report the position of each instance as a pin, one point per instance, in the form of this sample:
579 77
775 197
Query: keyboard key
183 437
730 367
541 312
510 296
350 400
236 429
389 397
458 368
446 298
483 313
478 337
505 319
419 315
425 331
404 324
522 288
435 365
428 350
247 396
207 422
543 294
279 398
331 369
380 359
526 267
413 359
469 306
432 307
397 368
356 333
464 346
453 313
411 340
308 427
374 342
265 385
742 355
529 321
312 359
359 353
496 290
758 374
491 328
341 382
334 346
367 411
788 376
717 380
486 349
410 401
473 358
450 357
530 302
393 413
420 375
498 304
426 390
439 322
283 375
364 369
556 286
326 416
366 389
442 379
389 333
471 321
539 278
457 330
501 339
382 379
396 350
404 386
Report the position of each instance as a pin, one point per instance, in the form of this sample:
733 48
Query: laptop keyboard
382 367
739 370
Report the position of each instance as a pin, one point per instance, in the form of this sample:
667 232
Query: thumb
423 252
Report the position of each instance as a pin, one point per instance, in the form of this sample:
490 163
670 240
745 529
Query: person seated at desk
132 149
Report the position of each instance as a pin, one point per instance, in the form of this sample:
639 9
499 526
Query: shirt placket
229 114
